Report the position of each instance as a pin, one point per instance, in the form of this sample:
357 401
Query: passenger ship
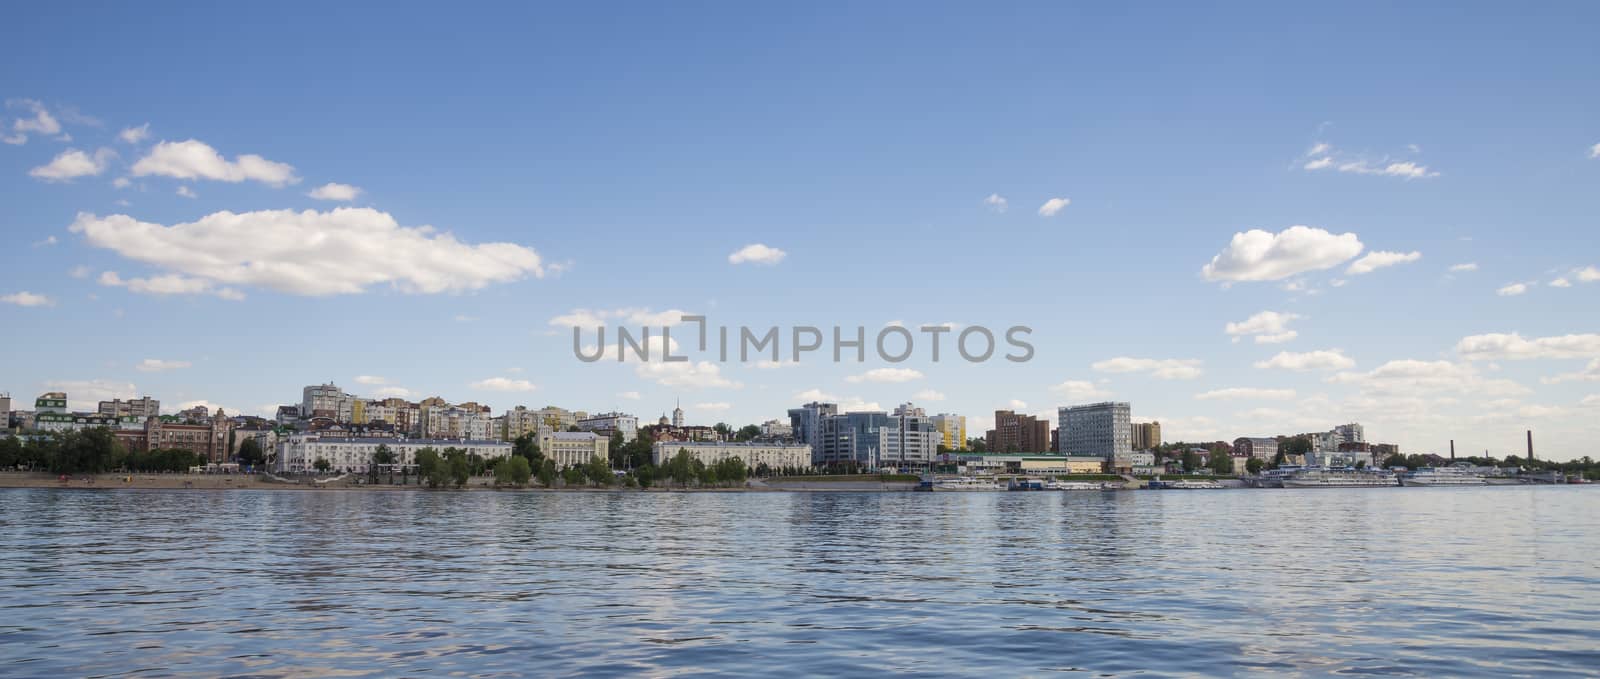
1441 476
960 483
1316 477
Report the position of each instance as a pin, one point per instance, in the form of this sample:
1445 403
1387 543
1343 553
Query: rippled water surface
1429 582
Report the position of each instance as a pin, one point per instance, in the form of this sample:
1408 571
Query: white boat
1273 478
965 483
1071 485
1346 477
1441 476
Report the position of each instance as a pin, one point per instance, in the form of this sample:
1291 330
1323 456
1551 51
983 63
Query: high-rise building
133 407
1146 435
877 440
1351 433
51 402
1017 433
952 430
326 400
1101 430
5 411
805 423
1257 447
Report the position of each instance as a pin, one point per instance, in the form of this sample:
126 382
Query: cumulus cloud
1322 359
169 284
1257 255
40 121
87 394
1379 259
342 251
996 202
1053 206
73 163
686 374
817 395
1515 347
1560 283
134 135
503 384
156 365
1237 393
186 192
929 395
25 298
1589 373
756 253
886 375
1587 274
1594 151
1512 290
1160 368
1267 327
1410 376
194 159
1079 390
1464 267
391 392
335 191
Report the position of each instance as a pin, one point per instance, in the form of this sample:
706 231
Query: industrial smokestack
1530 444
1452 449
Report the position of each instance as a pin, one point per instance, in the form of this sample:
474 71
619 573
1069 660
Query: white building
877 440
142 408
1103 430
777 429
300 452
573 448
774 455
327 400
1351 433
610 422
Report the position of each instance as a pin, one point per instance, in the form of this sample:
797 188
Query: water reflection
1371 581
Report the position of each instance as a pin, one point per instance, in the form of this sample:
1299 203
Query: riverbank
266 482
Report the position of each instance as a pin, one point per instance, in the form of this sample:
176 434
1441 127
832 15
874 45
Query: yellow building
952 430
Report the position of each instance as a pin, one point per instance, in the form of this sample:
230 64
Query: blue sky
634 148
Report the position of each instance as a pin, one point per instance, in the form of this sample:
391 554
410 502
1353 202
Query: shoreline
46 480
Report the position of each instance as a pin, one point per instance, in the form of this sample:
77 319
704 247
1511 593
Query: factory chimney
1530 445
1452 450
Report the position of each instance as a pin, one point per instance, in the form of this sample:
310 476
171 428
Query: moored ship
1347 477
1441 476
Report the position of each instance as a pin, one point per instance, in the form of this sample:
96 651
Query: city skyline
1252 241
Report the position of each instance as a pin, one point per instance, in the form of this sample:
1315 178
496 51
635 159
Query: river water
1391 581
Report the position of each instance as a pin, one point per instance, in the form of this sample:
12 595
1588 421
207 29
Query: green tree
1395 460
250 453
748 432
547 472
431 468
646 475
599 471
1191 461
1254 465
322 465
681 467
573 476
383 456
514 471
458 466
1222 463
10 452
1295 445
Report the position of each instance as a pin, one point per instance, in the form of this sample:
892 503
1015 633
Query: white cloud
1267 327
503 384
855 404
1590 401
1411 376
186 192
1257 255
121 183
1560 283
1053 206
711 407
155 365
1322 359
25 298
1323 156
194 159
371 379
79 271
169 284
1512 290
1079 390
1017 404
1587 274
929 395
589 319
391 392
756 253
1234 393
48 241
1464 267
87 394
134 135
886 375
342 251
1515 347
1589 373
1160 368
1319 163
335 191
629 395
996 202
73 163
686 374
41 122
1594 151
1379 259
818 395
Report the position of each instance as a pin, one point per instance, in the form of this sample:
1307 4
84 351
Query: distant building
141 408
1146 435
300 452
952 430
967 462
754 454
573 448
1351 433
5 411
806 424
79 421
50 402
1102 430
606 424
677 416
1017 433
877 440
777 429
326 400
1260 448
